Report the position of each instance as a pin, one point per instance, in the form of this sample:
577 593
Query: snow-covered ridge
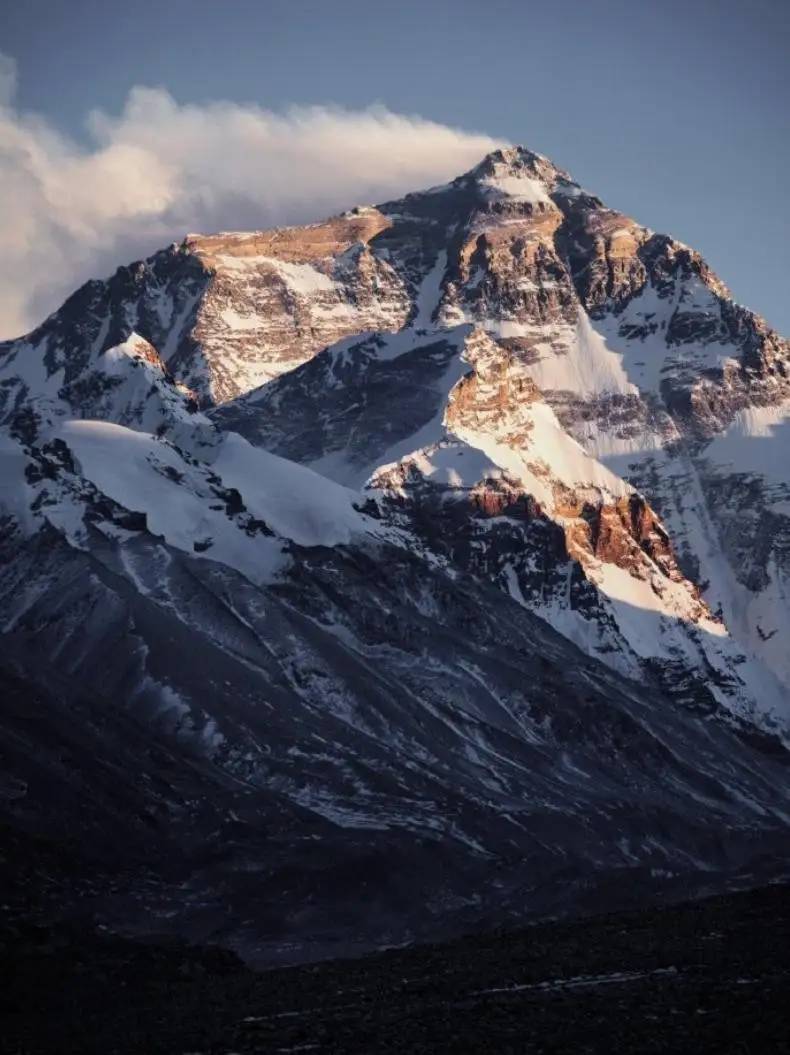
185 501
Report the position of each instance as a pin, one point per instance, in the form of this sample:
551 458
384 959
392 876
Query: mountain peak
519 163
514 157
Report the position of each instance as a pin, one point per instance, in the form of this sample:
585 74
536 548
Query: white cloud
160 170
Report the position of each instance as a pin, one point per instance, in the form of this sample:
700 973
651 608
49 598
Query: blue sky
676 113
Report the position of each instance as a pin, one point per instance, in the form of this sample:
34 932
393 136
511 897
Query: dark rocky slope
710 976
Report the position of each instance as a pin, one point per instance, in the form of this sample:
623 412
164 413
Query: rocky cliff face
453 534
630 343
229 312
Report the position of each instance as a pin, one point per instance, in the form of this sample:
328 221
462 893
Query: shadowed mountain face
378 578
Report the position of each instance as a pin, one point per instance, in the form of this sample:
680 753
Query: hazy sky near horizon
677 113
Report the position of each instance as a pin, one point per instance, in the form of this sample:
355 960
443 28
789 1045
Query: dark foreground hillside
706 976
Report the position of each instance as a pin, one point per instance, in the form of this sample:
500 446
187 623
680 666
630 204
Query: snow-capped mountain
436 554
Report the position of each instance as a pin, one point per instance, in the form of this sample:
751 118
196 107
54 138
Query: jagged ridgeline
438 553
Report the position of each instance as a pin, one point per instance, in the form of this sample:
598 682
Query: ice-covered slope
235 504
458 446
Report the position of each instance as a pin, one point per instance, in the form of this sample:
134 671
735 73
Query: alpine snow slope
374 578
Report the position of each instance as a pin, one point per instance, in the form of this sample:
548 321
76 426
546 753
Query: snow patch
147 475
295 501
514 188
300 278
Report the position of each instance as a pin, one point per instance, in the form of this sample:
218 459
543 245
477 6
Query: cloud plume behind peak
161 169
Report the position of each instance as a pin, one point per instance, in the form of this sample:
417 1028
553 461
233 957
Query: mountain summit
442 547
